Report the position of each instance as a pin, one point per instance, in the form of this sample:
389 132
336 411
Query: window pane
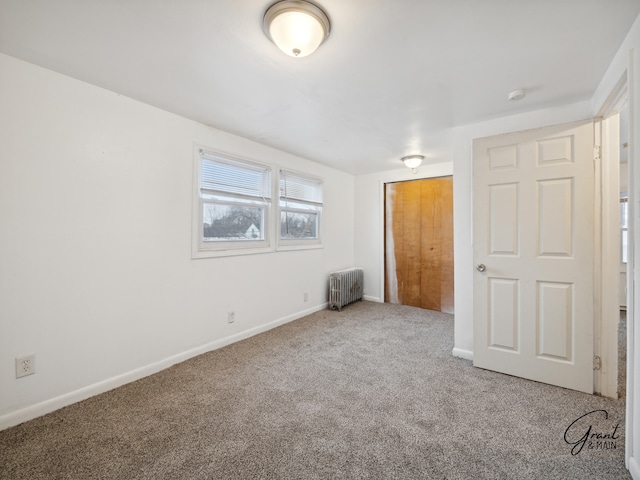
232 223
295 225
624 239
624 208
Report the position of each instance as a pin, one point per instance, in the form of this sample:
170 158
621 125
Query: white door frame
629 86
633 338
607 263
607 233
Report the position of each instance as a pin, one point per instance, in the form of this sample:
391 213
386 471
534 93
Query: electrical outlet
305 296
25 366
231 317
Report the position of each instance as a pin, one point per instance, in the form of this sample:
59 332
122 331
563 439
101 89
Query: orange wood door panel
419 243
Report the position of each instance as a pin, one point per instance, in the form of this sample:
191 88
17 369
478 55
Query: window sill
231 252
285 247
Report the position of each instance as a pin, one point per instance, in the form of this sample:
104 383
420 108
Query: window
234 198
624 226
300 209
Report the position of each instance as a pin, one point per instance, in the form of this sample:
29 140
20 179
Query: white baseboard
53 404
369 298
460 353
634 468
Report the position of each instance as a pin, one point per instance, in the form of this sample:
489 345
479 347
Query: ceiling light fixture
297 27
517 95
413 162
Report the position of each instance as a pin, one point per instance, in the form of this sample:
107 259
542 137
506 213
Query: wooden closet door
419 243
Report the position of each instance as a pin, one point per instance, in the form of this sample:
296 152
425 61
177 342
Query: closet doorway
419 243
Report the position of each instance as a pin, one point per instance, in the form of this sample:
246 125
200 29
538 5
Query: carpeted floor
369 392
622 355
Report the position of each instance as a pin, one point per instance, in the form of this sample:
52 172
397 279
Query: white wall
624 177
369 221
96 274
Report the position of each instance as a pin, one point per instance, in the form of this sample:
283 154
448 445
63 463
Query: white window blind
231 177
300 209
297 188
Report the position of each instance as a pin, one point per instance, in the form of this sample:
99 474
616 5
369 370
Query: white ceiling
390 81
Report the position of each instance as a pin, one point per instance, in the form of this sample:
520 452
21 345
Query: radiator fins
345 287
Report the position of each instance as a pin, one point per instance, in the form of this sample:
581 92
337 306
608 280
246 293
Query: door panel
555 320
504 219
419 243
555 217
533 233
503 313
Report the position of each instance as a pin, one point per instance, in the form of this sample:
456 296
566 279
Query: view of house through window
234 201
232 222
235 197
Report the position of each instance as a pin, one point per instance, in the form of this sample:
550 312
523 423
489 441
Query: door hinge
596 363
596 153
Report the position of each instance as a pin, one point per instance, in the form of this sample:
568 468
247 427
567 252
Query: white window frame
624 228
299 243
206 249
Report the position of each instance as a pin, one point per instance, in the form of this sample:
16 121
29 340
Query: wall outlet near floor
25 366
305 296
231 317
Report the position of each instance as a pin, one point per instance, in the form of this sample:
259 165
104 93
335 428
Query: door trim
607 261
607 254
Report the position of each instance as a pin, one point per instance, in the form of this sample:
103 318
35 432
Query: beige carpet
369 392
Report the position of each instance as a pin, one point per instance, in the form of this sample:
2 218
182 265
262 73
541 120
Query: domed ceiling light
413 161
517 95
297 27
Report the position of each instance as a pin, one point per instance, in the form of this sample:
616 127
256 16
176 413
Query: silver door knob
480 267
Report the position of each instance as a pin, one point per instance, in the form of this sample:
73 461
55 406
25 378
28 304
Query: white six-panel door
533 230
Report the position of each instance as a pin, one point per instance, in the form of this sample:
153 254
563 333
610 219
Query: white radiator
345 287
